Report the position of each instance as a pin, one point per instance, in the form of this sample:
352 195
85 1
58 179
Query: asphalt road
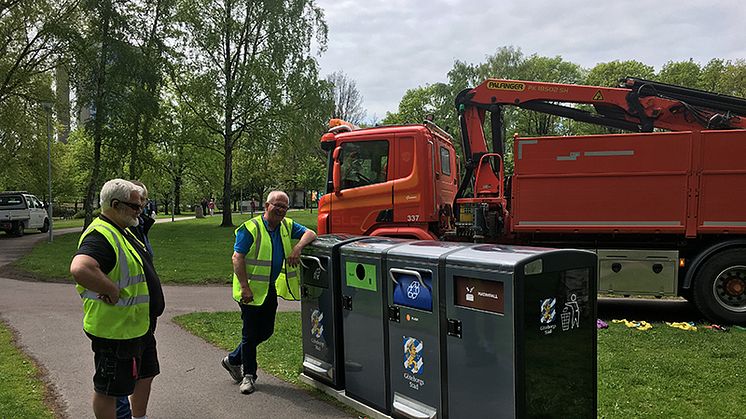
192 383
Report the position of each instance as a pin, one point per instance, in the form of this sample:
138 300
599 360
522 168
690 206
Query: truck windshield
11 202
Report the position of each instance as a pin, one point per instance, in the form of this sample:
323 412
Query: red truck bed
669 182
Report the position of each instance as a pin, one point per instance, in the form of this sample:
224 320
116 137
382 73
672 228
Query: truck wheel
45 227
18 229
720 287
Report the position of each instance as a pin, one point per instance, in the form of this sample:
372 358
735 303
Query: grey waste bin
321 317
364 320
415 296
521 326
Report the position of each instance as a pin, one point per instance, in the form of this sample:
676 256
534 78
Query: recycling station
425 329
320 309
364 325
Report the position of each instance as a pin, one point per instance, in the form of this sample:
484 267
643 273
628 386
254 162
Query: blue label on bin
413 361
410 292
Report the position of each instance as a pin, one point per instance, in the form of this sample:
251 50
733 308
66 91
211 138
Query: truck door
36 212
366 195
408 186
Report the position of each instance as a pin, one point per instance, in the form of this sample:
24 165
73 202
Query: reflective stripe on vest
259 263
130 316
125 278
122 302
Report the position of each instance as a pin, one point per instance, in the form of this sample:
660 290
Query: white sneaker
236 371
247 385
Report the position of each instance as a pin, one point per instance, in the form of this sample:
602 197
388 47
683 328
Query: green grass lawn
196 251
224 331
660 373
72 222
22 393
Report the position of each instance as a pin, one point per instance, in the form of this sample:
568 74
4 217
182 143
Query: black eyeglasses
136 207
281 206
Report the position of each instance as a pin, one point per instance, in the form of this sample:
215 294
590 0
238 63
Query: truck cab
20 211
395 181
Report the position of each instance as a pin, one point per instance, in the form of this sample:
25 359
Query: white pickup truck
20 211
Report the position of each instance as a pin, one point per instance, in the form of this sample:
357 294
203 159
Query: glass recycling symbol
413 290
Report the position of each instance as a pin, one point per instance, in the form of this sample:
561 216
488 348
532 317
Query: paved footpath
192 384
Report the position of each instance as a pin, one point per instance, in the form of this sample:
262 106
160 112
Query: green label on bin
361 275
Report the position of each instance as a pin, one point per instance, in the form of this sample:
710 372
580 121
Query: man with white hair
265 266
122 297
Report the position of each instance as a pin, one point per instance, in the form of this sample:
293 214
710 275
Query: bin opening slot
314 271
412 288
314 261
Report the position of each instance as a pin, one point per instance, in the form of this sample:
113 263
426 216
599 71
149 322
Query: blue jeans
258 326
123 408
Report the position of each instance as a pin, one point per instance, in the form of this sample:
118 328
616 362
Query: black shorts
120 363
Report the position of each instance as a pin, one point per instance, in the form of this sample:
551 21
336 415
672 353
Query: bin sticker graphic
317 329
571 314
413 291
361 276
547 310
413 361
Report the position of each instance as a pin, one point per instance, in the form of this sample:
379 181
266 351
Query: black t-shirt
96 246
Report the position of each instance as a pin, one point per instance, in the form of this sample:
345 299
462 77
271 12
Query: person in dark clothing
146 219
121 305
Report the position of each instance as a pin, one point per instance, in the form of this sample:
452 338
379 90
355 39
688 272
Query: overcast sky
389 46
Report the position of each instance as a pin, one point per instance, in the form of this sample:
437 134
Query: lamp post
48 108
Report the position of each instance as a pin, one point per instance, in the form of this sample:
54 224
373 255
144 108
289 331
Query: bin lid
429 250
371 245
495 255
329 241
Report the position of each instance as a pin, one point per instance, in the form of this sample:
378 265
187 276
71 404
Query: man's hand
294 258
87 272
239 268
246 295
111 296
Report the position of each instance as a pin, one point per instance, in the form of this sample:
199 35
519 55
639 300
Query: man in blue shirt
259 320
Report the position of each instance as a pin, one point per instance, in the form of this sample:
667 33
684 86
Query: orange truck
663 206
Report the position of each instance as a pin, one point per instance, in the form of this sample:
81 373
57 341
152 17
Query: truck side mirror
337 171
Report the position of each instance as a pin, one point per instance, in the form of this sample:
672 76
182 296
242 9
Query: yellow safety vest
259 263
130 317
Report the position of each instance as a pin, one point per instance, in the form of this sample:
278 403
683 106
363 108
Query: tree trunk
227 180
177 195
98 121
228 133
134 145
